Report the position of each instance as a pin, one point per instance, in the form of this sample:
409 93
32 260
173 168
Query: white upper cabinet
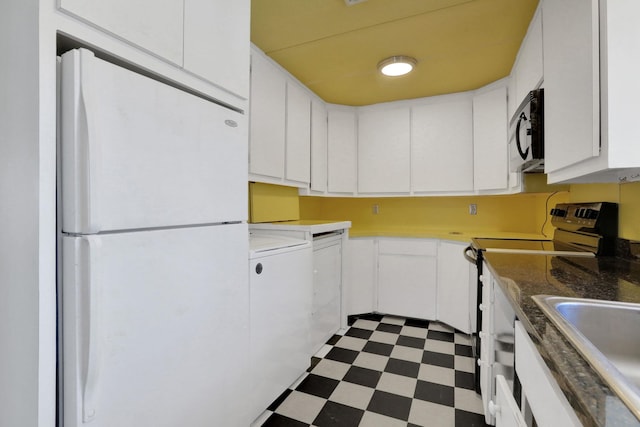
442 145
298 134
216 42
160 32
208 38
571 59
527 71
318 146
280 126
341 150
384 150
267 118
591 90
490 151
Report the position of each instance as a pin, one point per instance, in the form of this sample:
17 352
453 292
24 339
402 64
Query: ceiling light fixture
397 65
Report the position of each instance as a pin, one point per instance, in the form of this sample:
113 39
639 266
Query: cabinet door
267 118
442 146
160 32
528 70
216 42
360 276
327 281
341 154
454 287
490 151
298 134
571 82
506 409
384 151
407 286
407 277
318 146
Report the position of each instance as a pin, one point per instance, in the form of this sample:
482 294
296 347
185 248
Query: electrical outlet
473 209
375 209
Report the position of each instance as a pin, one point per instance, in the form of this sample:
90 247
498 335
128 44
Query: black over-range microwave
526 134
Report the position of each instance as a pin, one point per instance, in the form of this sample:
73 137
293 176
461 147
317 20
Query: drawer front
419 247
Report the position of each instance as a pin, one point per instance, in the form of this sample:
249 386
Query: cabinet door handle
259 268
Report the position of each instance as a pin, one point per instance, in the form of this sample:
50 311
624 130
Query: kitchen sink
607 334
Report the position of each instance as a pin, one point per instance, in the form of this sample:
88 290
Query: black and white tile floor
384 371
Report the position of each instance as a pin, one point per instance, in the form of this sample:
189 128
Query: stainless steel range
584 231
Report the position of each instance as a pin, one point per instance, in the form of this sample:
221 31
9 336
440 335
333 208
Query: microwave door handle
526 152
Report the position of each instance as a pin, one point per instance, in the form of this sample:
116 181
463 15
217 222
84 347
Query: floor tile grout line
370 411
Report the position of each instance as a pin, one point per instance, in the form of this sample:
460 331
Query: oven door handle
473 259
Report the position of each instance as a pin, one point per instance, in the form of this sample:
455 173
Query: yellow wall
523 213
626 195
269 203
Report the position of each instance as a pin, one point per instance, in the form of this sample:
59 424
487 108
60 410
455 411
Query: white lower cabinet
407 277
548 404
327 296
412 277
506 409
361 276
456 296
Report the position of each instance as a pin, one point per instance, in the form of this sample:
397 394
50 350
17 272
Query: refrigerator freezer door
137 153
155 328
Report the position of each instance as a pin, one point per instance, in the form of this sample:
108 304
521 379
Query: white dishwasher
281 277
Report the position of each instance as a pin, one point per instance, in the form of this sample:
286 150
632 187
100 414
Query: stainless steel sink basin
607 334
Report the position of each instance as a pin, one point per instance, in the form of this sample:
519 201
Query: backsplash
519 213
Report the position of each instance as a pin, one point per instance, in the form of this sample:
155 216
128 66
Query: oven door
484 376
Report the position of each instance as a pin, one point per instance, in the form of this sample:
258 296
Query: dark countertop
605 278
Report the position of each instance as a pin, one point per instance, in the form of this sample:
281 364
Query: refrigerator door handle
80 178
92 350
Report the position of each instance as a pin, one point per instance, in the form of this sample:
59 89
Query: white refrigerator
154 293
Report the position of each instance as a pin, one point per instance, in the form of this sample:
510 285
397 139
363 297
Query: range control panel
599 217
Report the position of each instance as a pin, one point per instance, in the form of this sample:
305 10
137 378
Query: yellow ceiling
333 48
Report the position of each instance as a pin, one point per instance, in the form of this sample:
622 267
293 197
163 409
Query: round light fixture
397 65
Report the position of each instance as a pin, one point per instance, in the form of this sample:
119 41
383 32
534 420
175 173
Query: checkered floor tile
384 372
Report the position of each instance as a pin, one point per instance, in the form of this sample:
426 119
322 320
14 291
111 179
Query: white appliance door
155 328
137 153
506 409
325 313
281 290
486 360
